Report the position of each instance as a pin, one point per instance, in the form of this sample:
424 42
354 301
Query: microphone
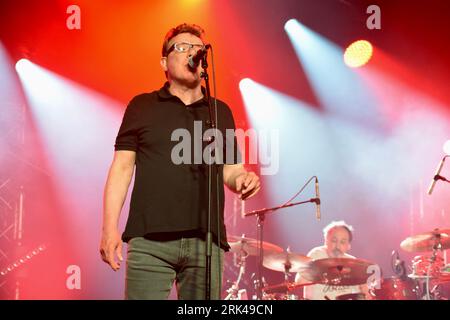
395 260
398 265
317 199
196 58
436 176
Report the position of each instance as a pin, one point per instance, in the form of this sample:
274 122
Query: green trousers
153 266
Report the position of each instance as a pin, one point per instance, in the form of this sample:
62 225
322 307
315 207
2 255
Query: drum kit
427 271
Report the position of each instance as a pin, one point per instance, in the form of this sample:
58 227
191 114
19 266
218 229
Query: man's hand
247 184
110 247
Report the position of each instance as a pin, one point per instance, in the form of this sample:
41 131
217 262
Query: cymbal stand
233 291
287 267
260 217
437 246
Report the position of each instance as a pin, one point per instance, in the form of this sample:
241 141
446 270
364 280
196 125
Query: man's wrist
109 228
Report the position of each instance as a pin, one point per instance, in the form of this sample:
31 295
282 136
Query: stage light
447 147
245 84
358 54
22 65
338 88
290 24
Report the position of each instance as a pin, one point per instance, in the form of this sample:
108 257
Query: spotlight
358 53
290 24
447 147
22 64
245 83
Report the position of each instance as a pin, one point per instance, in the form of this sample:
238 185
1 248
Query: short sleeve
127 138
317 253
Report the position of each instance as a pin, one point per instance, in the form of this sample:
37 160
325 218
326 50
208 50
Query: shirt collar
165 94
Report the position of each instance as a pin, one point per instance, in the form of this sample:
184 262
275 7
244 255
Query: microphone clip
199 56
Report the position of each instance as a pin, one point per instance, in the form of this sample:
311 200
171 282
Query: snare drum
351 296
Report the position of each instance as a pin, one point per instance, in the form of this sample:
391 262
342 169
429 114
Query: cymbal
427 240
250 246
338 271
286 261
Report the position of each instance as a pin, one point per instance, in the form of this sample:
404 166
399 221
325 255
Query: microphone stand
212 125
261 215
439 177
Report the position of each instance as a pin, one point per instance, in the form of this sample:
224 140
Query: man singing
167 222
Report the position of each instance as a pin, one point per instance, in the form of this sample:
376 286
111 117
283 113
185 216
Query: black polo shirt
170 199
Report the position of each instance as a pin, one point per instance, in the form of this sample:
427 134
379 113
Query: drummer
338 236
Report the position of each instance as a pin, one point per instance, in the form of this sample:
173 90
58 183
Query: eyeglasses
184 47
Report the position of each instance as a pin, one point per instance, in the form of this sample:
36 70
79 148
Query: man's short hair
338 224
182 28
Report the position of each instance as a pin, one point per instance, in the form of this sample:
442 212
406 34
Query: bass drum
396 289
